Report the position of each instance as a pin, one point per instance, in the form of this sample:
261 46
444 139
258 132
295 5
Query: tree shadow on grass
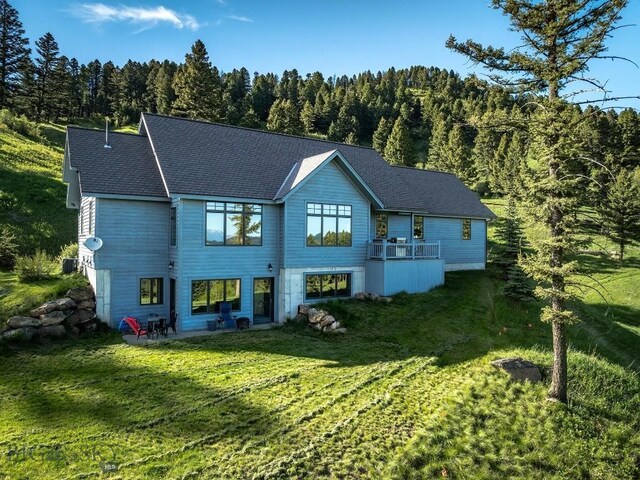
137 409
463 320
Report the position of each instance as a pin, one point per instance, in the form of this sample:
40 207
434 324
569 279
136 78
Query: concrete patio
143 340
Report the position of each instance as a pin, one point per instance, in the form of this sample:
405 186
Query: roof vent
106 134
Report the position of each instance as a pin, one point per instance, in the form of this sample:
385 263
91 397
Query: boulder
86 305
89 327
316 316
339 330
303 309
65 303
374 296
80 316
317 326
44 309
73 330
53 318
80 294
300 318
519 369
21 322
335 325
52 331
385 299
360 296
327 320
24 333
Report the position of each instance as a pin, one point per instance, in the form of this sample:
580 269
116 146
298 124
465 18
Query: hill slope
32 195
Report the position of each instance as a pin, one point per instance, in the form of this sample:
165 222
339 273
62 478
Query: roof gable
303 170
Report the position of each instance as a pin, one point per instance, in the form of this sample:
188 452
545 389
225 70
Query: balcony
385 250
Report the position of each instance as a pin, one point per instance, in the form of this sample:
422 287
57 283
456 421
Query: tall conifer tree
14 52
559 39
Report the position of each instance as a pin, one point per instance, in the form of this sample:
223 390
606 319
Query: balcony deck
385 250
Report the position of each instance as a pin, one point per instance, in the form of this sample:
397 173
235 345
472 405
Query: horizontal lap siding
329 185
400 226
200 262
84 254
453 249
136 242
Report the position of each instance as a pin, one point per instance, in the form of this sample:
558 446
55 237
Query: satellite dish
93 243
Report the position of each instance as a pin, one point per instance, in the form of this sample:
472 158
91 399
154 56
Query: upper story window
173 232
466 229
233 224
328 225
418 227
382 225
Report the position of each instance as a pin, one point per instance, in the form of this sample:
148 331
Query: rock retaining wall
73 314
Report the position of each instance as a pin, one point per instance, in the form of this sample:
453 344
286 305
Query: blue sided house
191 214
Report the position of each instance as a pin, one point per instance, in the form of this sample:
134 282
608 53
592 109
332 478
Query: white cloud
222 2
240 18
148 16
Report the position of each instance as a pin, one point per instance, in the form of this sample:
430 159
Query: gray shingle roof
440 192
201 158
127 168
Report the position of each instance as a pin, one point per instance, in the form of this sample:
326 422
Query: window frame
173 227
385 222
226 210
159 291
209 309
90 219
327 274
415 237
337 208
466 233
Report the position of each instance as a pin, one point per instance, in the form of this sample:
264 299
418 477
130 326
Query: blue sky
331 36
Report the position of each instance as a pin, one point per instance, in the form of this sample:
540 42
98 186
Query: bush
69 251
39 266
20 124
8 248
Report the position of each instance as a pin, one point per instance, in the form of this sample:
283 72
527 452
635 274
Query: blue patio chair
225 318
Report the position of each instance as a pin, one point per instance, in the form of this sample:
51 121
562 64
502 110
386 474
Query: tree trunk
558 390
621 251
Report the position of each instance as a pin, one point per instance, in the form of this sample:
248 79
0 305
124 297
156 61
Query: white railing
384 250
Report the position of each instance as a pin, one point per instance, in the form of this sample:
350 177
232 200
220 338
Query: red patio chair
135 326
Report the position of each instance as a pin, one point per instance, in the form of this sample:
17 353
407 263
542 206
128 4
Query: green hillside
32 195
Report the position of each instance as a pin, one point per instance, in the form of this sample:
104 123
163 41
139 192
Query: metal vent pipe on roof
106 134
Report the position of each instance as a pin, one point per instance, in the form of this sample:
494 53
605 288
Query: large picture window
382 225
418 227
328 225
233 224
466 229
151 291
207 295
328 286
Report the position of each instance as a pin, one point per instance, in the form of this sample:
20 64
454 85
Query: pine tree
456 155
163 86
46 81
308 117
381 135
559 39
13 52
620 210
399 149
284 117
197 88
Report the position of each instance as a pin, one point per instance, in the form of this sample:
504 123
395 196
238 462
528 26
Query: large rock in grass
80 294
303 309
79 316
65 303
20 334
316 316
519 369
86 305
20 322
44 309
52 331
53 318
327 320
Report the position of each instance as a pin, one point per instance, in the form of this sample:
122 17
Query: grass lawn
408 392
